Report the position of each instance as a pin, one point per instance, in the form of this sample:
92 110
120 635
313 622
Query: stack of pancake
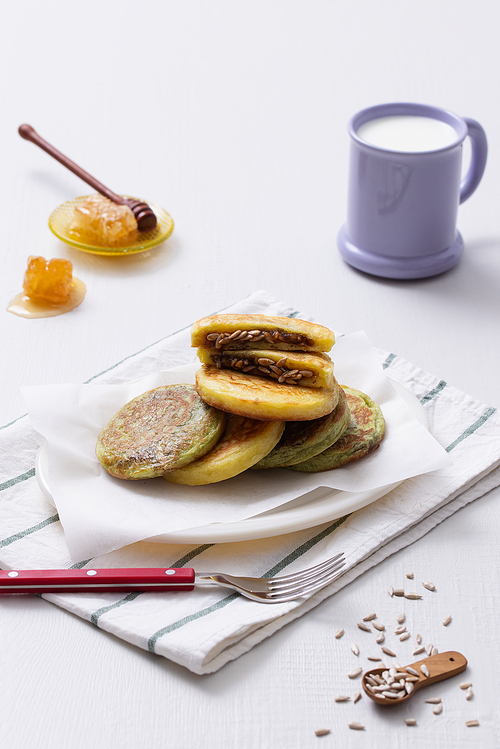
265 397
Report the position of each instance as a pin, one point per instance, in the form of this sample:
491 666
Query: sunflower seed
373 658
356 697
418 651
387 651
428 649
391 695
401 618
465 684
355 673
447 621
409 687
471 723
424 669
419 639
434 651
404 636
354 648
400 630
412 596
412 678
390 590
428 586
399 592
380 638
468 694
410 575
438 709
378 626
342 698
339 634
410 721
434 701
356 726
411 671
322 732
369 617
364 627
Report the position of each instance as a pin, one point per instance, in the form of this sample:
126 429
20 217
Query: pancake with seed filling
363 435
270 332
244 443
302 440
264 399
157 431
291 367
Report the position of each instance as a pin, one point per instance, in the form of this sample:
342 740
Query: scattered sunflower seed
387 651
378 626
471 723
410 721
355 673
342 698
419 639
356 726
465 684
380 638
364 627
438 709
428 649
322 732
428 586
434 651
354 648
369 617
419 650
374 658
399 592
468 694
412 596
339 634
410 575
400 630
401 618
390 590
434 701
447 621
404 636
356 697
424 670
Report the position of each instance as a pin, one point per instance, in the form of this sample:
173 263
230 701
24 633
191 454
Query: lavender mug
405 187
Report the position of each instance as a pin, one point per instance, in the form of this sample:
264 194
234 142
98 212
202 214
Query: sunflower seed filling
262 365
271 336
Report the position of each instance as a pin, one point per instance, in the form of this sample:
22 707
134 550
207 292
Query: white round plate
320 506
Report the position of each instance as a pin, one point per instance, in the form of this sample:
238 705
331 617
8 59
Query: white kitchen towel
206 628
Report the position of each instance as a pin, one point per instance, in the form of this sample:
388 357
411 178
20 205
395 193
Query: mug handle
479 153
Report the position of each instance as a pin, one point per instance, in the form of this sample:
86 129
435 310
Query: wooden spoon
146 219
440 666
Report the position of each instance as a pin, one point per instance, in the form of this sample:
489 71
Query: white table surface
232 116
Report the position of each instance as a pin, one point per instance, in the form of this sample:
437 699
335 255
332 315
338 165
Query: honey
49 289
100 220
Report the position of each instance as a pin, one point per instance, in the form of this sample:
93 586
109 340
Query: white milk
407 133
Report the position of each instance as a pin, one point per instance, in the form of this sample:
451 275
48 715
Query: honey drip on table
23 306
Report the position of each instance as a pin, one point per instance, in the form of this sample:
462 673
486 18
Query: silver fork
156 580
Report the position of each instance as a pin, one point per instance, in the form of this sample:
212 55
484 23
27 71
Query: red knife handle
147 580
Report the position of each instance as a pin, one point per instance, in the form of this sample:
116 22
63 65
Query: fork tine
291 595
306 581
302 574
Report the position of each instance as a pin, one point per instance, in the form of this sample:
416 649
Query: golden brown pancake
270 332
291 367
302 440
244 443
264 399
364 434
161 429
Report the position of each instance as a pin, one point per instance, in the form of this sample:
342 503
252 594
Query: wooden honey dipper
146 219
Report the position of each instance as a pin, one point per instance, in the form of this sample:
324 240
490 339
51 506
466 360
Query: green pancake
302 440
160 430
365 433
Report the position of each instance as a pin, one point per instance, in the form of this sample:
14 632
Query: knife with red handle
147 580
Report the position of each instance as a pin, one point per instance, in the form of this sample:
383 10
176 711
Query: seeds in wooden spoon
424 670
412 671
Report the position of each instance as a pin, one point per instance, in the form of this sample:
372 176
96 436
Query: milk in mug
407 133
